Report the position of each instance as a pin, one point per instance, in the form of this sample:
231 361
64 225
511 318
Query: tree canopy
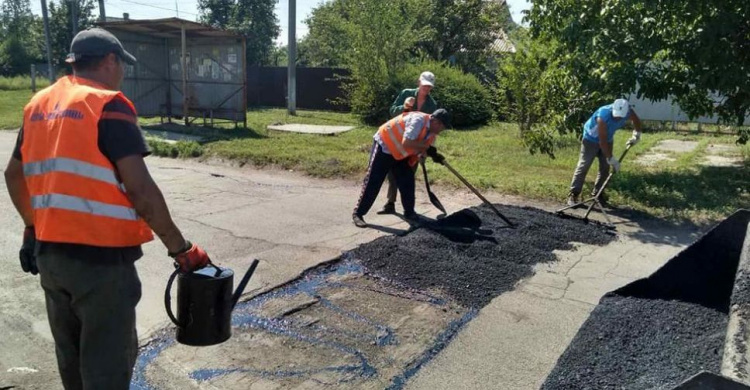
255 19
697 51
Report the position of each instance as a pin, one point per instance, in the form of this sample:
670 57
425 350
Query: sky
187 9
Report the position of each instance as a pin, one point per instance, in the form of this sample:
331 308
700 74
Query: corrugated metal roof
168 28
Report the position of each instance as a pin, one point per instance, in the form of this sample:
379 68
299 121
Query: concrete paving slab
721 161
170 137
654 159
723 149
528 334
311 129
676 146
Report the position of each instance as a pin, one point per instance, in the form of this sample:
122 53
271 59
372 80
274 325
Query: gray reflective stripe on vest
395 139
74 203
69 165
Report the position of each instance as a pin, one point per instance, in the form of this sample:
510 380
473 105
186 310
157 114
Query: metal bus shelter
185 70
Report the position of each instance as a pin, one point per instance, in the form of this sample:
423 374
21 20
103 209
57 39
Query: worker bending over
397 144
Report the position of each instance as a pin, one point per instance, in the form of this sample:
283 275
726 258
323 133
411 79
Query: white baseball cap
620 108
427 78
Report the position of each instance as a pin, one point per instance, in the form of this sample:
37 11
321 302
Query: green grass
11 108
18 83
491 157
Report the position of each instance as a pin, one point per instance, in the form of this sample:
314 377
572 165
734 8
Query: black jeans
380 164
91 309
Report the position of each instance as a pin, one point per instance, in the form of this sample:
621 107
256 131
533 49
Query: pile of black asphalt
657 332
472 255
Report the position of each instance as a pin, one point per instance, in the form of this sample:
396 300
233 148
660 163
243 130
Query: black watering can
205 303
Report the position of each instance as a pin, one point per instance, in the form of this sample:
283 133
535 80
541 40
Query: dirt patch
472 255
676 146
654 159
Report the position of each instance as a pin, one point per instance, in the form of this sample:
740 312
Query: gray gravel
634 343
472 255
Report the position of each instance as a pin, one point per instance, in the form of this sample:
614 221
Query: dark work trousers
380 164
392 186
91 309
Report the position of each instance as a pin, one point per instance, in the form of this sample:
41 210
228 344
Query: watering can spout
243 283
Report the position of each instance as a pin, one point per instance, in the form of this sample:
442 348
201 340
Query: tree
256 20
61 31
695 50
460 31
327 24
379 32
463 30
18 50
216 13
542 96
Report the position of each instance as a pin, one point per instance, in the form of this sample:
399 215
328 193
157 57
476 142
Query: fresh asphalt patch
472 255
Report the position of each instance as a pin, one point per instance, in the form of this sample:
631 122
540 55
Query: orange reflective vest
76 194
392 135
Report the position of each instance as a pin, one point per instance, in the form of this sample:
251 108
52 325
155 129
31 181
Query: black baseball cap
97 42
443 116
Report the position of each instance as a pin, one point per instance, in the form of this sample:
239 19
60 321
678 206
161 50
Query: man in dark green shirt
417 99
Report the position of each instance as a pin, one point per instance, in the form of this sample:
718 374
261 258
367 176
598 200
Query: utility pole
292 66
45 18
102 13
74 16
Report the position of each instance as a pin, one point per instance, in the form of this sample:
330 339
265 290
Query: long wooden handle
474 190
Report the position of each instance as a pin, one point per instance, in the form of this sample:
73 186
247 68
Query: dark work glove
26 254
435 156
192 257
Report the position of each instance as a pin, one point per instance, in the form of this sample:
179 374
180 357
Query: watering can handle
168 298
168 292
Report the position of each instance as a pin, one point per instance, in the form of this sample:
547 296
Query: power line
156 6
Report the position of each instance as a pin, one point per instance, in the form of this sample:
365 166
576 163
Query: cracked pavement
291 223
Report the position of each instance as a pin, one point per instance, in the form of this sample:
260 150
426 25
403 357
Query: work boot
388 208
358 221
573 199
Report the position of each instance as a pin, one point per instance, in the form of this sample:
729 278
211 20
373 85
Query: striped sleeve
119 133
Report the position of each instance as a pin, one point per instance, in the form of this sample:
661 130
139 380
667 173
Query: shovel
474 190
433 199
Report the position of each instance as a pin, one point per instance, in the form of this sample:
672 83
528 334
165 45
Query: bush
460 93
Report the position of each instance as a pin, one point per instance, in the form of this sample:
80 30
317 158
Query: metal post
74 16
45 18
292 65
243 61
184 78
102 13
33 78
